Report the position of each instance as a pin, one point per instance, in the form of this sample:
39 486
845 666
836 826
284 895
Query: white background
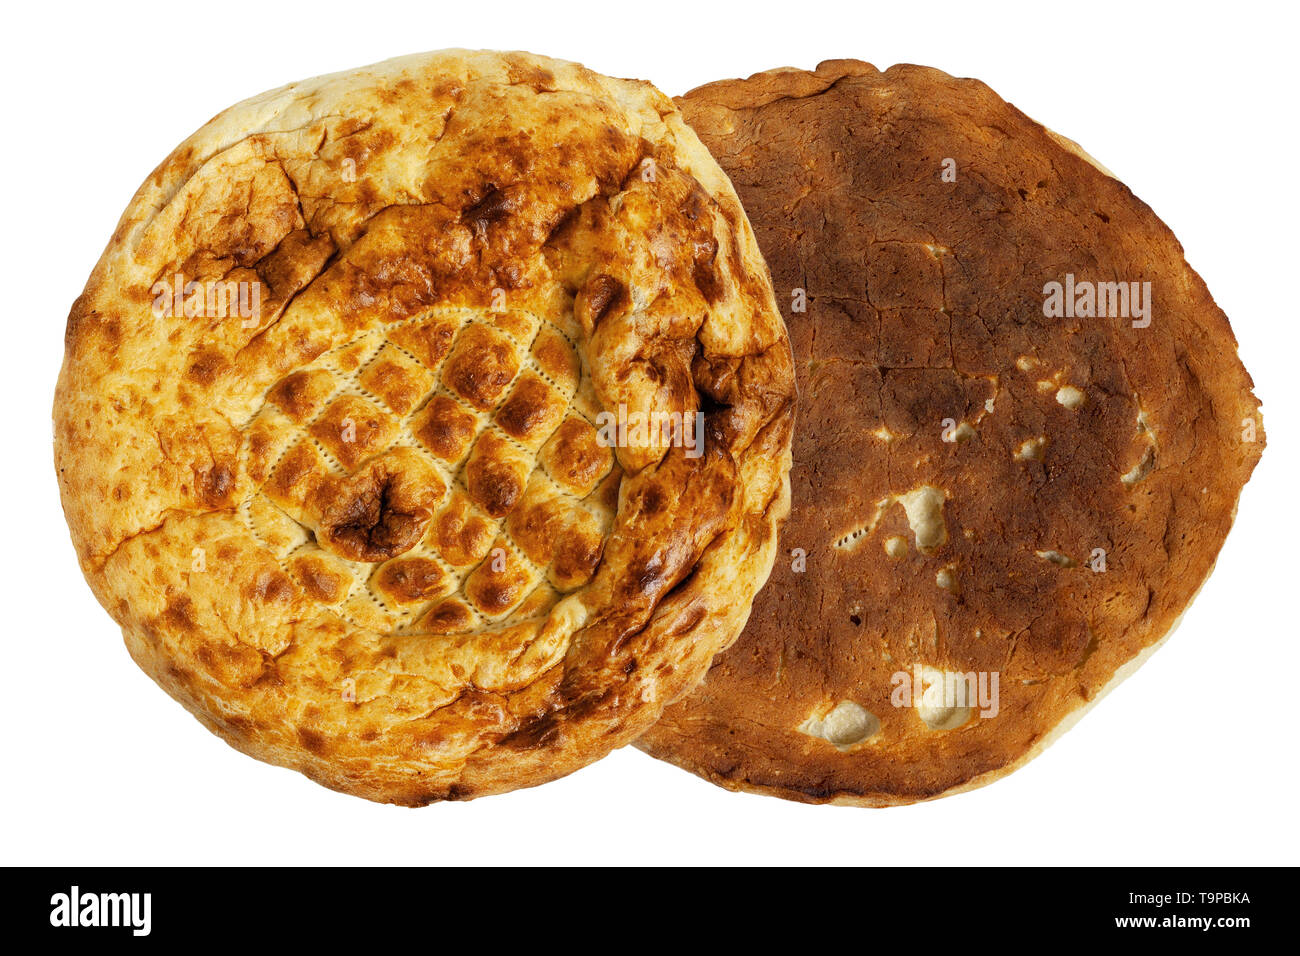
1192 760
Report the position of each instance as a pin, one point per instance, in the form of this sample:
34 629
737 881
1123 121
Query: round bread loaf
347 428
1023 432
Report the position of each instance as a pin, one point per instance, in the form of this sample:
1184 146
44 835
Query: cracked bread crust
1071 441
326 428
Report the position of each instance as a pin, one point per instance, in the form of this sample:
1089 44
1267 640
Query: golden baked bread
984 486
330 433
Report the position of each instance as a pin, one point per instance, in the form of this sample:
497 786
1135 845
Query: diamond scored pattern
439 475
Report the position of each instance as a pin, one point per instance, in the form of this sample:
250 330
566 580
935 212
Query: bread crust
925 361
365 528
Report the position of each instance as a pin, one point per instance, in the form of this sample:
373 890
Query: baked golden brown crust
345 493
965 466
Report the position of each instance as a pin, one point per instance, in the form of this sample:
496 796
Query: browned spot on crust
575 458
498 584
380 512
179 613
495 474
302 394
481 366
409 580
429 340
312 741
462 536
270 587
494 206
353 429
321 581
449 617
444 428
532 410
602 295
216 486
205 365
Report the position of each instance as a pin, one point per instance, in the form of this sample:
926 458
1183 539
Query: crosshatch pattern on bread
986 484
358 517
443 493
